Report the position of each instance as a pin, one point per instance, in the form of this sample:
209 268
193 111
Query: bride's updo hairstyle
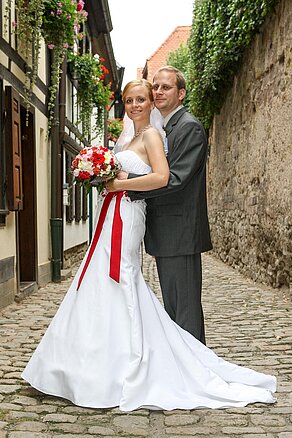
135 83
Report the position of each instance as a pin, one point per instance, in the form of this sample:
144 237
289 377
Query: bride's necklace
141 131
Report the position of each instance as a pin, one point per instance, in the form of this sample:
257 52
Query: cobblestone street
246 323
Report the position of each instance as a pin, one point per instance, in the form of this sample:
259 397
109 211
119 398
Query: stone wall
7 281
74 256
250 164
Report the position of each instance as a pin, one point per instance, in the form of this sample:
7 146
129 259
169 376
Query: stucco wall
250 162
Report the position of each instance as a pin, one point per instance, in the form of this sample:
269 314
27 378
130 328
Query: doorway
26 218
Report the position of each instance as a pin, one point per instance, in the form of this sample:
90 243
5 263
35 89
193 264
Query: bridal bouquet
95 166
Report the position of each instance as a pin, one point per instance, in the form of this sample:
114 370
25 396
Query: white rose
86 165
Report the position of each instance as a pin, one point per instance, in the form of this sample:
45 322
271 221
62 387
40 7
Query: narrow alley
247 323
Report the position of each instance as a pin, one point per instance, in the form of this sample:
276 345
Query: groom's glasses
164 87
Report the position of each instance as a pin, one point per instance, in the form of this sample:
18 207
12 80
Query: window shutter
69 180
84 205
77 203
13 150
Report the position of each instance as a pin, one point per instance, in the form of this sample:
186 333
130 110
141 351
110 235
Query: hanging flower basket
62 20
114 129
92 92
59 23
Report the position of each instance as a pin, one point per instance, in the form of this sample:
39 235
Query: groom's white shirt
168 117
165 121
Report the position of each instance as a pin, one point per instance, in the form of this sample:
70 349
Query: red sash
116 239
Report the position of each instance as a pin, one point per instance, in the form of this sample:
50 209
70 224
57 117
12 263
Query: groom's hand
122 175
113 185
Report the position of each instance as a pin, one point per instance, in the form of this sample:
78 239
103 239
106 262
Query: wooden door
20 194
27 217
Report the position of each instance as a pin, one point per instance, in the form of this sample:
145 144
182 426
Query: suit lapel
173 121
169 127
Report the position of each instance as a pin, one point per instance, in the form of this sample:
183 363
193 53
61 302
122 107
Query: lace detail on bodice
132 163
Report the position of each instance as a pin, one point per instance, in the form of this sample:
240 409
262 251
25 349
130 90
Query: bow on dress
116 238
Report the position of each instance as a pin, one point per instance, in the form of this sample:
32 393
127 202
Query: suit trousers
181 285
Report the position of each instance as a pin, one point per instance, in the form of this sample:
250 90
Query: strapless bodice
132 163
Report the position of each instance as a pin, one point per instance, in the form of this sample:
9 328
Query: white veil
156 120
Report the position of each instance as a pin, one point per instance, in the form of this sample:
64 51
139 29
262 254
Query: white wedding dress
112 344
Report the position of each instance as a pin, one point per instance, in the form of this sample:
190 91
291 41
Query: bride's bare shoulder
152 133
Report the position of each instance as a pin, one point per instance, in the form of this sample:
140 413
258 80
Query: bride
111 343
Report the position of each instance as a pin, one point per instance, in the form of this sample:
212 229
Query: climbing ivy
221 31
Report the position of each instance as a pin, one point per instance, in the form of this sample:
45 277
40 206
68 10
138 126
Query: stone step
25 288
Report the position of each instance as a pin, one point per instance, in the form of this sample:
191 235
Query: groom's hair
138 82
180 79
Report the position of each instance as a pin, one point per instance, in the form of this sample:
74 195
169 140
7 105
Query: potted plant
92 92
114 129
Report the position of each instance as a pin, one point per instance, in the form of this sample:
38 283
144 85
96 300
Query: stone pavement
246 323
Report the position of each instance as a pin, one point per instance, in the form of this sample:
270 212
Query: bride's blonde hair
138 82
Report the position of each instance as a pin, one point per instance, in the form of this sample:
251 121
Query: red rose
98 160
83 175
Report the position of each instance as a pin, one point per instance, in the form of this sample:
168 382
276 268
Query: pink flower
65 45
14 24
59 12
51 46
80 5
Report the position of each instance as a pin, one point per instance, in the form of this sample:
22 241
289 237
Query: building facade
44 217
179 36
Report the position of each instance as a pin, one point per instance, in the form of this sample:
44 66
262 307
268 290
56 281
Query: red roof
179 36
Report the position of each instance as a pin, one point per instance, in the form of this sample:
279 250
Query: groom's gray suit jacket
176 219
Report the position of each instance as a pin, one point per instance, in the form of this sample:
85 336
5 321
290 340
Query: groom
177 228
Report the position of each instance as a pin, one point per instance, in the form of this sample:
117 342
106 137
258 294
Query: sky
139 28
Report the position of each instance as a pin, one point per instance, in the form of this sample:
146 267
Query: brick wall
250 164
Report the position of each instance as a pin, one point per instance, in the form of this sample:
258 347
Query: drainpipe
62 117
56 195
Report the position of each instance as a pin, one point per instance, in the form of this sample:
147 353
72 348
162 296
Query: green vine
221 31
57 22
28 30
62 21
